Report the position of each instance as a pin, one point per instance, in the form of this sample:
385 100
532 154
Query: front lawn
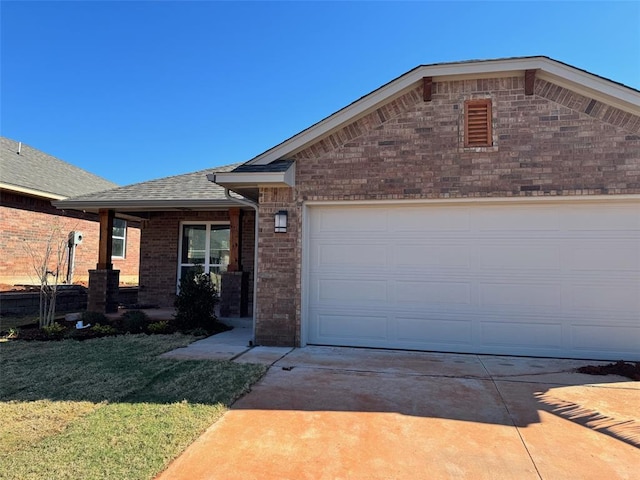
107 408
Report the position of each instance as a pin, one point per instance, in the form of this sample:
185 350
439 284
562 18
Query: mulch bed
624 369
34 333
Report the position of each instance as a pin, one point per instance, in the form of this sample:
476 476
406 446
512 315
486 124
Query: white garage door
549 279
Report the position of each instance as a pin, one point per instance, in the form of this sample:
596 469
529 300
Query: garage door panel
607 298
605 256
433 331
525 219
529 295
596 218
430 293
431 254
337 220
559 279
348 325
417 219
519 334
350 255
520 256
623 340
352 290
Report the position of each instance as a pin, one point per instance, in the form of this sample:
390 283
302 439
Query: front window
119 238
205 244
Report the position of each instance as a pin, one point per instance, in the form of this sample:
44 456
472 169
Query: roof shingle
36 170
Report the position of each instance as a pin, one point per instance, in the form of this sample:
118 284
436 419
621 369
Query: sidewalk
233 345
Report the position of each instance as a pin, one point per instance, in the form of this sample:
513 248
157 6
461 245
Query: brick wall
277 314
555 142
159 259
28 222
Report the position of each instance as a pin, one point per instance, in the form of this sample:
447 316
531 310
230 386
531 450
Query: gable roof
36 173
190 191
562 74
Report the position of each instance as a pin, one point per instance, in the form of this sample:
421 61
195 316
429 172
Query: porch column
104 280
235 235
106 240
234 294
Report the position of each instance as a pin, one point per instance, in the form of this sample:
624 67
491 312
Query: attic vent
477 123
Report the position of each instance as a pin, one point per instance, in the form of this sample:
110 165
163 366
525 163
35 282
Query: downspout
254 205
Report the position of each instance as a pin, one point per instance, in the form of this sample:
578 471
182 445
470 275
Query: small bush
14 332
94 318
104 329
134 321
55 330
159 327
199 332
196 301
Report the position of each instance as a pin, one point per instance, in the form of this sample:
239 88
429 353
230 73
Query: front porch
172 242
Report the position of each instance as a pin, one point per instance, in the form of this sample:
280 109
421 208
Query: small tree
196 300
49 265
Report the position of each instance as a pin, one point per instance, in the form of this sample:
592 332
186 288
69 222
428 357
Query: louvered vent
477 126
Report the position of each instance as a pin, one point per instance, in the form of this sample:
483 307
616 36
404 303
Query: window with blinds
477 125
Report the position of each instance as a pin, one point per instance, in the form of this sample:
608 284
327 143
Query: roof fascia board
575 79
30 191
246 179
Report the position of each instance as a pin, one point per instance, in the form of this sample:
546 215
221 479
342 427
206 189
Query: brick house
29 181
485 206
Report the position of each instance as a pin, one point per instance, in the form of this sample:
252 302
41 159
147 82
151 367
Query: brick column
103 291
234 295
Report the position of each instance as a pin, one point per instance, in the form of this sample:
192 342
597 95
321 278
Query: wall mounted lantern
281 222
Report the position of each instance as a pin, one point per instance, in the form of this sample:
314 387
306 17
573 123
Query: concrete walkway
231 345
346 413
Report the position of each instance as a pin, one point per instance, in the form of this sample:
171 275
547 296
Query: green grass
107 408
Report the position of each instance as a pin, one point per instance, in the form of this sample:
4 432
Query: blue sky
138 90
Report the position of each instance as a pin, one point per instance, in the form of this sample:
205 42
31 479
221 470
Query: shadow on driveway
329 412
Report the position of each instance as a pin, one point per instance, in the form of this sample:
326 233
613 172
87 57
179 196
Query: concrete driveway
345 413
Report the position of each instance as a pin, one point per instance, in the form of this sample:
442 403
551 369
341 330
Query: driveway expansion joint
513 421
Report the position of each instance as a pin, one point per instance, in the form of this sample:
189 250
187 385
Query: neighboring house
484 206
29 181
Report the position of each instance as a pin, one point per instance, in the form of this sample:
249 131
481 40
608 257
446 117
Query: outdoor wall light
281 222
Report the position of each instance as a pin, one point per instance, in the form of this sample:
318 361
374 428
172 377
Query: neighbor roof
36 173
188 191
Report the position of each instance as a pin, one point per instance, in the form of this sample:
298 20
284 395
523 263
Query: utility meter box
75 238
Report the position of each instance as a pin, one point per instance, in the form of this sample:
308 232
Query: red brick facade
160 241
28 222
554 143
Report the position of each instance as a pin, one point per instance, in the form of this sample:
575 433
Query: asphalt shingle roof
44 173
192 186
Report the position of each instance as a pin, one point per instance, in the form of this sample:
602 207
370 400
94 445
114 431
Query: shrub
104 329
196 301
14 332
134 321
159 327
94 318
55 330
199 332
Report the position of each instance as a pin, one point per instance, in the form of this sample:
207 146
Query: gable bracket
427 83
529 81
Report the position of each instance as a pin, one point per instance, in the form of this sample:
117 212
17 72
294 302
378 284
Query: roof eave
234 180
31 192
143 205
